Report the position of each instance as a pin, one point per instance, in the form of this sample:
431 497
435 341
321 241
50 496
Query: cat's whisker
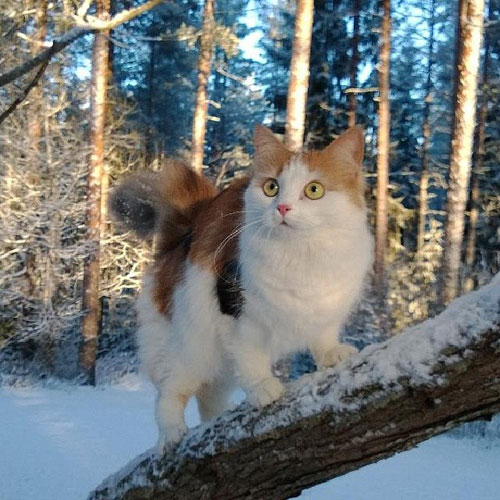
227 239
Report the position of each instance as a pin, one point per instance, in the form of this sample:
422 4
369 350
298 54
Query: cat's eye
314 190
271 187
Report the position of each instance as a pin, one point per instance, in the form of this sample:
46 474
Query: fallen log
386 399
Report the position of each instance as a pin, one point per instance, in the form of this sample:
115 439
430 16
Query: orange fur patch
186 195
215 233
338 165
208 243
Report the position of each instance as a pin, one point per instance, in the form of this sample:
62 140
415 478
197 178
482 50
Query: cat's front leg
170 404
254 364
327 349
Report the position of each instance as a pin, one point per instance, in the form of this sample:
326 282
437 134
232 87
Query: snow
60 443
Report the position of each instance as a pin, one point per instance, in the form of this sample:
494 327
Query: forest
93 90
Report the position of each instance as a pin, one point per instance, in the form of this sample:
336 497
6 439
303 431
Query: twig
26 91
81 28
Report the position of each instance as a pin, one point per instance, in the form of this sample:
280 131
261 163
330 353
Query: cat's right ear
270 152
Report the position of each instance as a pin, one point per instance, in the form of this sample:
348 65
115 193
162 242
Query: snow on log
386 399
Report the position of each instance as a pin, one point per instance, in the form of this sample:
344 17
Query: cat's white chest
296 292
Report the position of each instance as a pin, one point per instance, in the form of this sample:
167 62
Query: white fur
184 356
301 280
300 283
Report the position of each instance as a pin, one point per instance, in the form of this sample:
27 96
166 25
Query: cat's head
302 191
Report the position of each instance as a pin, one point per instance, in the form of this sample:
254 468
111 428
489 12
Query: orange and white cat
271 265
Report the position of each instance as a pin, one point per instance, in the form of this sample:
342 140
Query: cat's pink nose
283 208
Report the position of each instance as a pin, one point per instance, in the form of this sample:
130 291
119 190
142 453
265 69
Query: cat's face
313 190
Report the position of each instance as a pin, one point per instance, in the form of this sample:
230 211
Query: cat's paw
169 438
334 356
266 391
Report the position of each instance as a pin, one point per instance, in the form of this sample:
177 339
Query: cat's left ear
351 142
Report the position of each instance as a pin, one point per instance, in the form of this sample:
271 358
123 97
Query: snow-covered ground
58 444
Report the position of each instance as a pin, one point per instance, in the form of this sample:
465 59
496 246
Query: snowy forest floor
59 443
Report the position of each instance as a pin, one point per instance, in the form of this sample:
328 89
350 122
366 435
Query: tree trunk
353 102
470 26
426 132
383 142
479 152
381 401
35 122
91 274
201 105
299 75
151 82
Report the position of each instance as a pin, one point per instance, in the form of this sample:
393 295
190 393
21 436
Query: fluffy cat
271 265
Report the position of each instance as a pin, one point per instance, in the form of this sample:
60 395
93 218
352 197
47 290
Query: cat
271 265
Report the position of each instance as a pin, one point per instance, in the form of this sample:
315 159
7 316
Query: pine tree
201 105
470 25
299 75
352 107
479 151
426 135
383 142
91 301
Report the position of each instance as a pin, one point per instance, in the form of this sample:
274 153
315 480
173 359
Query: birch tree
299 75
201 103
469 33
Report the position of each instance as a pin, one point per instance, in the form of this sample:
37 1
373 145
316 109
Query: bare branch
361 90
26 91
386 399
81 28
45 55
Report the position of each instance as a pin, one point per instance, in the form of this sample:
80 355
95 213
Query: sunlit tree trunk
91 303
470 26
299 75
383 141
201 104
35 122
479 152
426 132
105 174
353 102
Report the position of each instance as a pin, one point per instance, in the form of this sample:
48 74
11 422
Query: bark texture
383 142
479 151
470 27
299 75
36 104
426 133
91 274
201 103
383 400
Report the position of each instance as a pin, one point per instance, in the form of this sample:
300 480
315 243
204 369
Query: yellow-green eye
271 187
314 190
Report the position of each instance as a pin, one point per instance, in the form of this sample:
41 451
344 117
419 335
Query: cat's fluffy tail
146 201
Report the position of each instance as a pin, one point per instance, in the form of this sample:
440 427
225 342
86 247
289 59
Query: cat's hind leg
170 404
213 397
